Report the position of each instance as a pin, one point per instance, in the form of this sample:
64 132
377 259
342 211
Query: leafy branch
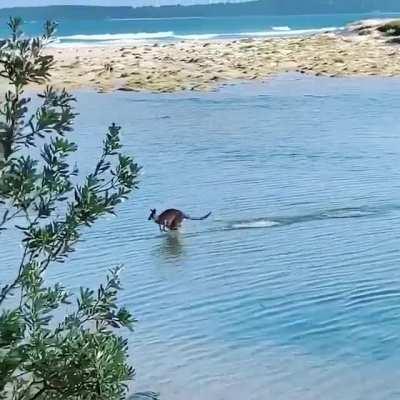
41 356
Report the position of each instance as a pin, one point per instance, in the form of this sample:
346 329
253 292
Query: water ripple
291 289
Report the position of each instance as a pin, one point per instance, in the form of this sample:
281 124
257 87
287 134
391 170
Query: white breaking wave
281 28
58 44
200 36
126 38
290 32
118 36
275 31
153 18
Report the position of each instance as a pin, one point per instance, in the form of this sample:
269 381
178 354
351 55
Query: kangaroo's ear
152 213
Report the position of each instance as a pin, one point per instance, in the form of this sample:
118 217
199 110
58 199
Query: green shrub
41 356
391 28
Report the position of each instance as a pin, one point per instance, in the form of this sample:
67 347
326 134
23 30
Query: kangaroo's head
152 215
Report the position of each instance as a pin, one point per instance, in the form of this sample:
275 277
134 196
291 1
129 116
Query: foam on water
117 36
254 224
290 32
200 36
281 28
154 19
339 213
123 38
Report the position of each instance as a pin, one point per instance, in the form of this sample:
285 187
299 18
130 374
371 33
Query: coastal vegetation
391 28
55 344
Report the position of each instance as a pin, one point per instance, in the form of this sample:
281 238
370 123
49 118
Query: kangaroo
171 218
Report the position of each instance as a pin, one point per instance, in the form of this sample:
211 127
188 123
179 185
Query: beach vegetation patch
391 28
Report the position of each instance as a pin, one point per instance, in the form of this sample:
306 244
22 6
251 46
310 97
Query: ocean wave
291 32
153 18
281 28
122 38
117 36
58 44
200 36
275 31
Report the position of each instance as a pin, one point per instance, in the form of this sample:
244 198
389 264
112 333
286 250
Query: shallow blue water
119 31
291 290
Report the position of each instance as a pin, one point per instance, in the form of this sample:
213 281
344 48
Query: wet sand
204 65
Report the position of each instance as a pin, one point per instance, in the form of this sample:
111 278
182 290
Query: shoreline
207 64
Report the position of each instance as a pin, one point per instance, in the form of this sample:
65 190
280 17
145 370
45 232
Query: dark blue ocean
120 31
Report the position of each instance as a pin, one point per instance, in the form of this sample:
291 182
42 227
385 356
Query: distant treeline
259 7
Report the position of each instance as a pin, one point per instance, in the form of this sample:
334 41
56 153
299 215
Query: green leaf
55 345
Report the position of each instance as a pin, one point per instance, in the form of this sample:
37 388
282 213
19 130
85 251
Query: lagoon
291 289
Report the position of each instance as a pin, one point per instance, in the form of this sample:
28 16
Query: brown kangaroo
171 218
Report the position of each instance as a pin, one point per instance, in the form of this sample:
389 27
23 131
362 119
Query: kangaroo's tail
198 219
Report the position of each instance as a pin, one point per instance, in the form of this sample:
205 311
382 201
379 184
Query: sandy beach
204 65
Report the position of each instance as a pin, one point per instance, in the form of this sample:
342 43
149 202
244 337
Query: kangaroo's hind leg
173 227
166 225
175 224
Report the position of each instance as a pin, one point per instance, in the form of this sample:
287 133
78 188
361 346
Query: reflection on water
171 245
